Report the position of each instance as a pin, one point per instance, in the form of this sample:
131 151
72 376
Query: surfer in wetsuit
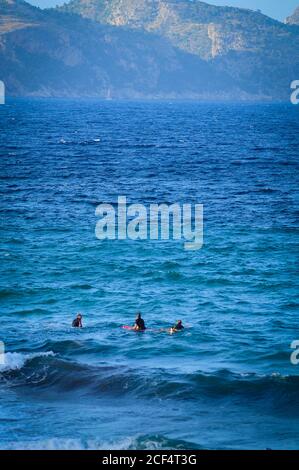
139 323
178 327
77 322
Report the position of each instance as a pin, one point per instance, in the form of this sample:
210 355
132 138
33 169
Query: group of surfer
139 324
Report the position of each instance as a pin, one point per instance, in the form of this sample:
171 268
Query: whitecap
69 444
14 360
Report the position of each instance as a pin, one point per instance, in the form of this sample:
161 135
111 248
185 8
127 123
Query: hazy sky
278 9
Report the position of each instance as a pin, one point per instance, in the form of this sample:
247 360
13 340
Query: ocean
226 381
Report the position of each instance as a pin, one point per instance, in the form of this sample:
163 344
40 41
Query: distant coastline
195 52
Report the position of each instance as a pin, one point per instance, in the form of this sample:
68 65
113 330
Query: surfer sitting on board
77 322
139 323
178 327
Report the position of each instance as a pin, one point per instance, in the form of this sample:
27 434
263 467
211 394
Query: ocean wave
80 142
69 346
140 442
47 371
32 311
15 361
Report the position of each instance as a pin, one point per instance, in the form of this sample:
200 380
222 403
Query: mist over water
227 380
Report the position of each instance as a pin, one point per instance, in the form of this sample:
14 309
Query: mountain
147 49
196 27
255 50
51 53
294 18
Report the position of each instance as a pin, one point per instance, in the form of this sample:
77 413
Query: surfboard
152 330
131 328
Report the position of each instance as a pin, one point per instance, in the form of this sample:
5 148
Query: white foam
13 361
69 444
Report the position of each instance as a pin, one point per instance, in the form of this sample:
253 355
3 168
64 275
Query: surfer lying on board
77 322
178 327
139 323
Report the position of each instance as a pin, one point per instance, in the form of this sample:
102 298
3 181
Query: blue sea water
226 382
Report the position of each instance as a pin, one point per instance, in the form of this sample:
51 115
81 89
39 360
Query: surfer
139 323
77 322
178 327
